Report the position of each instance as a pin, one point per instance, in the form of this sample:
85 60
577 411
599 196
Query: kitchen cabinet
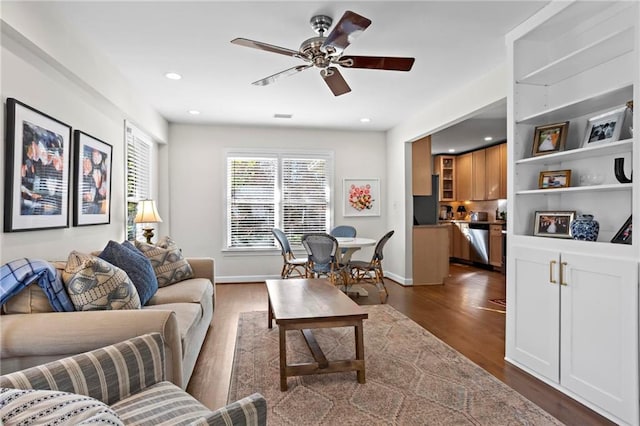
461 241
502 189
444 166
421 166
495 245
572 306
478 171
430 254
450 232
464 165
574 321
495 172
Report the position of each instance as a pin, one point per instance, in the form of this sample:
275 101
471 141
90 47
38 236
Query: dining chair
346 231
371 272
322 249
292 265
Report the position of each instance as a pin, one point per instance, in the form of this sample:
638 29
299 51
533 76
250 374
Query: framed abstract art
38 148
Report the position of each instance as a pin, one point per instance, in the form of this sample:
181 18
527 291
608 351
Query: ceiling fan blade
267 47
377 62
273 78
335 81
350 26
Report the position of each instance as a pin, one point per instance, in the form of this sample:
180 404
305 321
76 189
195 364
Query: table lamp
462 212
147 213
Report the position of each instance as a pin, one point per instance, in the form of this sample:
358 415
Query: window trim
278 154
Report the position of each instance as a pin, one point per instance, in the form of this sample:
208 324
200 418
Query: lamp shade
147 212
461 209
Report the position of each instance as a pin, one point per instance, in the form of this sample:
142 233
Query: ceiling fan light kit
324 52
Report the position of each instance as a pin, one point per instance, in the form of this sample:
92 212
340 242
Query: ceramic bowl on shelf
591 179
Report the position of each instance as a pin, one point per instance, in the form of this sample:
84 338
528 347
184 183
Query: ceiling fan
325 52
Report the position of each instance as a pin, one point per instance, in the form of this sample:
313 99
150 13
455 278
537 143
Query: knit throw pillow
39 407
168 263
128 258
95 284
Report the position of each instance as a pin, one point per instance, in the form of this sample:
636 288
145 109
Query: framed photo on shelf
549 138
553 223
92 181
362 197
623 236
554 179
604 128
38 148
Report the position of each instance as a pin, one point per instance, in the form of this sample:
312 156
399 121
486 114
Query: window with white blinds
139 147
290 192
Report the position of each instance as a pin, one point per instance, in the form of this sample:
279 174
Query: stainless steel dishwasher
479 239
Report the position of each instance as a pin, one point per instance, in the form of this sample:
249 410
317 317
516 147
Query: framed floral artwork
362 197
92 181
38 148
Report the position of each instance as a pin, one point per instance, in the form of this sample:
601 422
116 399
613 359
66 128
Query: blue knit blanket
18 274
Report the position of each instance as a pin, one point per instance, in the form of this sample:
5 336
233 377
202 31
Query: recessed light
194 112
173 76
488 138
452 150
365 120
282 115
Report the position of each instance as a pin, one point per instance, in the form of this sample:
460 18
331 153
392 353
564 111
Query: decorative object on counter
462 212
38 149
503 215
362 197
623 236
618 168
585 228
604 128
554 179
554 224
550 138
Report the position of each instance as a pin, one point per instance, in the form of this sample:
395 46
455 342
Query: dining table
353 244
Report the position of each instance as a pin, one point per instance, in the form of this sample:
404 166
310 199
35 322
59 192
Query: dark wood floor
459 313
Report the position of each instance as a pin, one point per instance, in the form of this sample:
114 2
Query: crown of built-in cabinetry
572 305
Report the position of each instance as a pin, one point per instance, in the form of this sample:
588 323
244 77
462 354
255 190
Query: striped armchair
126 379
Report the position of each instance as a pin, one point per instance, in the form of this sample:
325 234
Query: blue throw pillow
128 258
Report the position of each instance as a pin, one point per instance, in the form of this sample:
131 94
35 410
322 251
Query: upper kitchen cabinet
464 174
444 166
478 171
496 172
421 165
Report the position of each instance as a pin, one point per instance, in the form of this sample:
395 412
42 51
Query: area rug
412 378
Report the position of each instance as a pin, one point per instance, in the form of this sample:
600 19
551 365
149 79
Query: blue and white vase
585 228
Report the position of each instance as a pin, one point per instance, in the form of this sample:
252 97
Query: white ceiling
452 41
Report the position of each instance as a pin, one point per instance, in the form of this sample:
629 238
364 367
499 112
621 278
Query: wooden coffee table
304 304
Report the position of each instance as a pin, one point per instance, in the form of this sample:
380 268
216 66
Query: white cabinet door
599 332
533 311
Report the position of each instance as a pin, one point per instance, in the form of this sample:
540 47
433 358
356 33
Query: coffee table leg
283 358
360 349
270 314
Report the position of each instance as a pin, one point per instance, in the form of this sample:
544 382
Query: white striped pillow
38 407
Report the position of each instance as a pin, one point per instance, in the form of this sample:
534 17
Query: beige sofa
181 313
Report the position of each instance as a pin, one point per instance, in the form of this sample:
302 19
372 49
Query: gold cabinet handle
562 281
551 265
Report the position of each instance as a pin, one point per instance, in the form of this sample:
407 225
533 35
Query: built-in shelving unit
571 62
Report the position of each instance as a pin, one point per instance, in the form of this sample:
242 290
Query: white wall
435 116
196 163
52 85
